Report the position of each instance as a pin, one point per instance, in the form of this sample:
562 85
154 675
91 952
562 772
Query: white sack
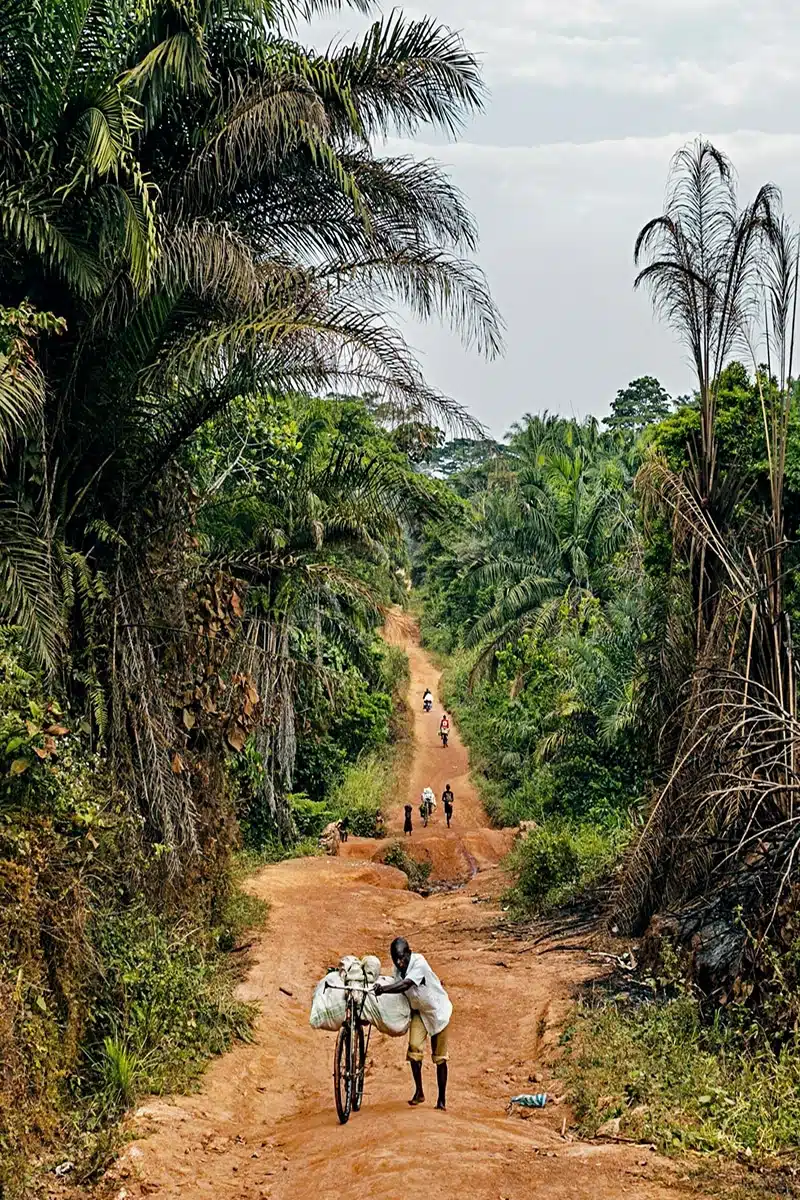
355 975
372 967
389 1014
329 1006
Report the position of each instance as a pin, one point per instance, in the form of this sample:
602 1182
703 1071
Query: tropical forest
241 533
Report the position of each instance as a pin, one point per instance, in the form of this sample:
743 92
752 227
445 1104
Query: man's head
401 954
447 787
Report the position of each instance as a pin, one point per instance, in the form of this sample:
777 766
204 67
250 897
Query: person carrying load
431 1010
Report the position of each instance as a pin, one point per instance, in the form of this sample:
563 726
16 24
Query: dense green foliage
103 998
684 1080
538 588
199 241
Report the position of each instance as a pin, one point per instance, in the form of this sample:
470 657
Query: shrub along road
264 1124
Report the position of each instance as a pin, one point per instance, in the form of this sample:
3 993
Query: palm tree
311 548
198 197
262 240
548 531
702 262
724 278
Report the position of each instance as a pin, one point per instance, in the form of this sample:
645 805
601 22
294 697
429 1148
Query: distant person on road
431 1012
447 802
444 729
427 700
407 826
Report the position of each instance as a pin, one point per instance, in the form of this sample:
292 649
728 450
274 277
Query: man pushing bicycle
431 1012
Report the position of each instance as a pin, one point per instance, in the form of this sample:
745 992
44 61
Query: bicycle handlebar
349 987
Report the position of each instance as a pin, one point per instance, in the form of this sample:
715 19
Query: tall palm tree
702 262
199 199
725 278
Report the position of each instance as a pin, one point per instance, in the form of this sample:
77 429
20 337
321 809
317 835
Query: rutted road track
263 1127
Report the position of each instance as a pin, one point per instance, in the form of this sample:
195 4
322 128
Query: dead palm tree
725 279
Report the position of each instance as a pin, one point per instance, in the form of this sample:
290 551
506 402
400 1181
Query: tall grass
361 795
681 1082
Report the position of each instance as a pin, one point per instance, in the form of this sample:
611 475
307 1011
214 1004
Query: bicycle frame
352 1047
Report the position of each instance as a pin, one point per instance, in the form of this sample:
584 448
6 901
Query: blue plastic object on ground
529 1101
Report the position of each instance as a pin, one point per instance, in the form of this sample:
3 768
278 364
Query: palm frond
26 585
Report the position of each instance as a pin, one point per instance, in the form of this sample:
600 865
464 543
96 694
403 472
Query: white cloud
558 224
595 86
719 52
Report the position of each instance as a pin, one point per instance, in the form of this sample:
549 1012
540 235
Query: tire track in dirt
263 1125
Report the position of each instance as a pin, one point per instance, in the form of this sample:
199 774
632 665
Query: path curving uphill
471 844
263 1127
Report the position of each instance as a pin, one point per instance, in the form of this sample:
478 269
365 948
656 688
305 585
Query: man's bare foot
416 1099
442 1107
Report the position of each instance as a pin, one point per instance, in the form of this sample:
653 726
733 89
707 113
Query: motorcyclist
427 700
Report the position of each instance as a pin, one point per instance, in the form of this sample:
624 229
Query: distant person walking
444 730
407 826
447 801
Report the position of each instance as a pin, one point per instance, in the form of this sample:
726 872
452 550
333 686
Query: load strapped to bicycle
345 1002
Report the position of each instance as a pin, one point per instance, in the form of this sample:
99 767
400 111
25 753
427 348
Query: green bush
418 872
395 670
363 724
162 1007
681 1081
361 794
556 861
309 816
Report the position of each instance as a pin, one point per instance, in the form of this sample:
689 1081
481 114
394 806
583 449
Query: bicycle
350 1055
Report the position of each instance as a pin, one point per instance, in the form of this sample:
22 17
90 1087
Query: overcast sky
589 101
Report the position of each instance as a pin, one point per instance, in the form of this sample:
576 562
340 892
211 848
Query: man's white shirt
427 996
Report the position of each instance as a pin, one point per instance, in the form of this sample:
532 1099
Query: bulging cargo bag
329 1006
389 1014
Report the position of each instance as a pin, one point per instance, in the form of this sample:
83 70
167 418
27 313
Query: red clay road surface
264 1127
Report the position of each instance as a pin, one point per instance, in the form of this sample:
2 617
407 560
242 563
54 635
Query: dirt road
470 845
264 1126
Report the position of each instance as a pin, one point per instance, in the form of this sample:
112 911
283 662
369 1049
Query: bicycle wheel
359 1067
343 1074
